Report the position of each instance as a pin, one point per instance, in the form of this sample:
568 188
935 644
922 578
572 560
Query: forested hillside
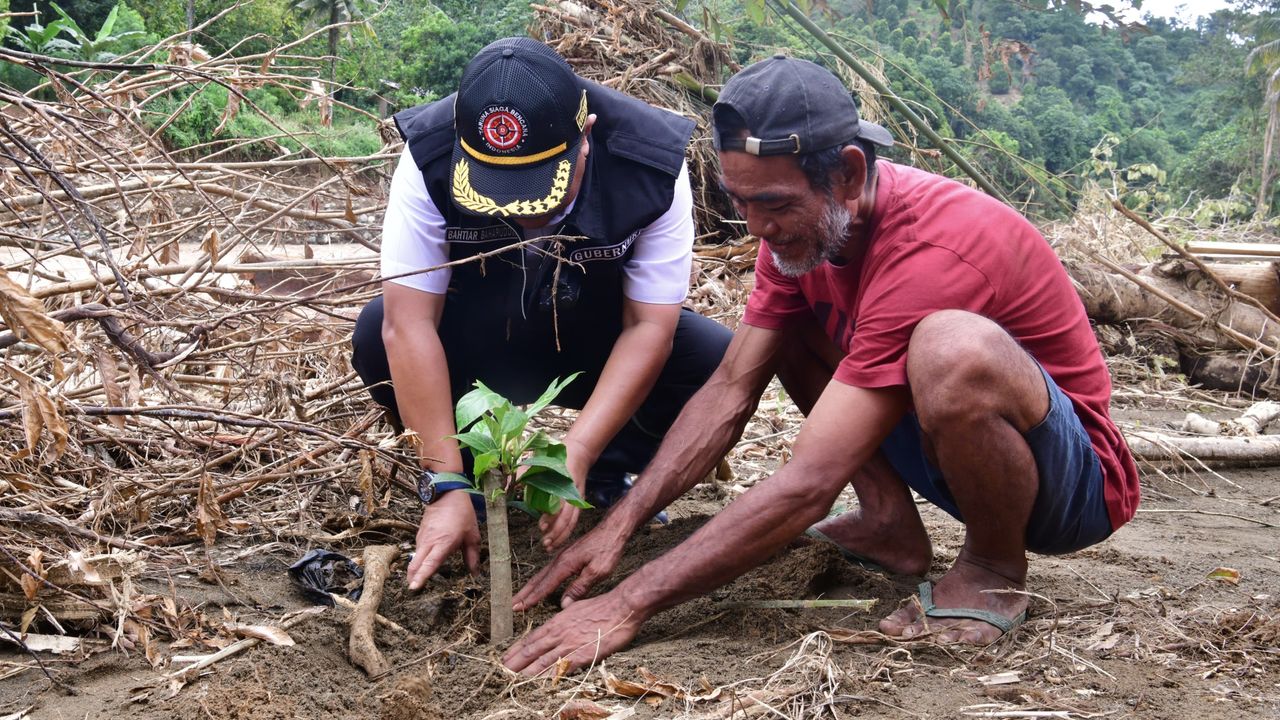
1177 107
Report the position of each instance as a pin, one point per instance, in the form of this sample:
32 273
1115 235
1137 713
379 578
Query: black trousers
698 346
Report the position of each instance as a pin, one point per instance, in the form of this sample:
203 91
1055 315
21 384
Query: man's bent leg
697 348
885 509
976 393
369 359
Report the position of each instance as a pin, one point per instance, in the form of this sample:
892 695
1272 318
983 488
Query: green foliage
433 47
90 47
122 30
1140 186
1000 82
35 37
254 26
205 124
1220 162
1174 96
496 433
1177 97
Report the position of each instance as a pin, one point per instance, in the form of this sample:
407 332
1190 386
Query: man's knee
368 330
368 354
699 345
961 366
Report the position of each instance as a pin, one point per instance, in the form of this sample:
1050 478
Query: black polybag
320 573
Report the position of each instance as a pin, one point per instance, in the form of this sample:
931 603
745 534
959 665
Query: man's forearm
841 433
739 538
710 423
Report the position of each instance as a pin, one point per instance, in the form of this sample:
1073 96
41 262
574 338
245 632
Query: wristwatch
431 486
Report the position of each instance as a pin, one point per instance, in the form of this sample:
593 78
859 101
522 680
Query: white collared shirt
413 238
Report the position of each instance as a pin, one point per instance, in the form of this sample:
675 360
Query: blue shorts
1070 511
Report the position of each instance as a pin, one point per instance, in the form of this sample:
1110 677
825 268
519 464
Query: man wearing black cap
538 225
935 344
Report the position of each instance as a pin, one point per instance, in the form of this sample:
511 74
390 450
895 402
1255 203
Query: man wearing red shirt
935 344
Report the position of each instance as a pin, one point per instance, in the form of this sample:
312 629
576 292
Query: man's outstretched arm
420 374
840 435
710 423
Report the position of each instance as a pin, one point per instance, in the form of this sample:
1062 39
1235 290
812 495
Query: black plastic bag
320 573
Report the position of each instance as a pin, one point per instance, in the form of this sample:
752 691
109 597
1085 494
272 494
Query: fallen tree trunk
1246 374
1257 280
1162 447
1178 310
1177 295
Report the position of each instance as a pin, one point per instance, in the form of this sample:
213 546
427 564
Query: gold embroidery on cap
468 198
582 112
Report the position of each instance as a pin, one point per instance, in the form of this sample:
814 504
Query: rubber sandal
1002 623
852 557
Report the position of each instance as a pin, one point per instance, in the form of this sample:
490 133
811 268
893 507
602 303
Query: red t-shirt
936 244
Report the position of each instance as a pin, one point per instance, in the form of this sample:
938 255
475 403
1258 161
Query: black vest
528 302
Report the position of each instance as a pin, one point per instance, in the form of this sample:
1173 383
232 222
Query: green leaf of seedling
455 477
512 424
490 426
538 441
523 507
478 439
474 404
755 10
551 457
553 483
550 394
484 462
541 501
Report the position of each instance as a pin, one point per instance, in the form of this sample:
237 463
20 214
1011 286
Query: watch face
426 487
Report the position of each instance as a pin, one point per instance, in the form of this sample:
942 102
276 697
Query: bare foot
900 547
962 587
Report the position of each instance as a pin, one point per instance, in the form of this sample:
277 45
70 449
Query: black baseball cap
792 106
519 116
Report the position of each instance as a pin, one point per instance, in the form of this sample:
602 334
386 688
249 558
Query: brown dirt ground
1130 628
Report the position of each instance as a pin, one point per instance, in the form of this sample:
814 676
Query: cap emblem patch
502 128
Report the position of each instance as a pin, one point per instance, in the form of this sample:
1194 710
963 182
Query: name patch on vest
485 234
608 252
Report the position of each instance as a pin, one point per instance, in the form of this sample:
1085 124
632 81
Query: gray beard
832 233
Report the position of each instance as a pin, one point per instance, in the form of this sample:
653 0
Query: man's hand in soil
584 633
447 524
592 558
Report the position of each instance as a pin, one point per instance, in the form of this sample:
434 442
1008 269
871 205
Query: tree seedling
510 459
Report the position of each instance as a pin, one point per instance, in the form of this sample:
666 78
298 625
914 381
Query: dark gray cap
791 107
